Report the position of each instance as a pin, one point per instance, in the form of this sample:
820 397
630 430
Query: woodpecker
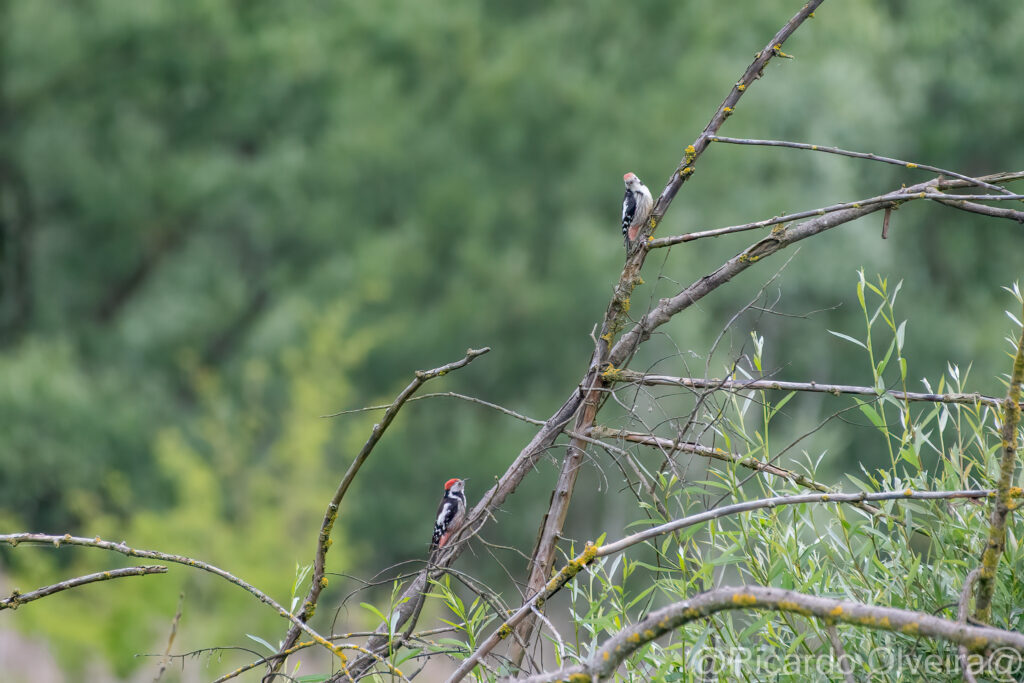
451 513
636 207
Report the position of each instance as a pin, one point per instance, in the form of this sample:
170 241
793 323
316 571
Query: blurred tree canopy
222 220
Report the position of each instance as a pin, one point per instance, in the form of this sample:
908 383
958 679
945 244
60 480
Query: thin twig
166 659
750 463
447 394
632 376
16 599
317 582
607 658
858 155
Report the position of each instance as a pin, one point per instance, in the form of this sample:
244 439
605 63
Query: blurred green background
220 220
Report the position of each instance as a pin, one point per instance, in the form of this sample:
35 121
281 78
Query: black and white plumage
451 513
636 208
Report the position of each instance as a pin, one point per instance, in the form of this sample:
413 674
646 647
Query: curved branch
17 599
67 539
591 552
607 658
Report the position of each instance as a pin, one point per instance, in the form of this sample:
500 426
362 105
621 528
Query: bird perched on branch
636 208
451 513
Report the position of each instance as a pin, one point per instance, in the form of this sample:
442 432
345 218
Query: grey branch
17 599
124 549
888 200
859 155
607 658
632 376
331 515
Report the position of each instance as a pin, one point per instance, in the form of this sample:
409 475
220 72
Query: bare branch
632 376
123 548
16 599
974 207
331 515
1003 502
859 155
607 658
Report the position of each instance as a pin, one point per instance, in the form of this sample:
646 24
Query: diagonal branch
779 239
593 385
317 582
17 599
1003 501
607 658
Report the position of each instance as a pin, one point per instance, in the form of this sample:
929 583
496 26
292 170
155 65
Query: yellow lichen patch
790 606
814 147
825 497
741 87
727 110
633 638
911 165
908 492
323 582
884 622
605 656
1015 492
579 678
504 632
912 628
836 611
648 634
745 599
611 372
654 223
690 154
